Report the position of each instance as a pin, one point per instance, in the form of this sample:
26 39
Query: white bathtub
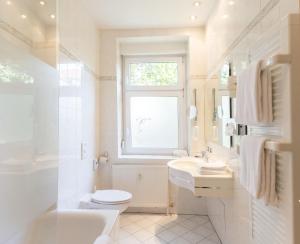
74 226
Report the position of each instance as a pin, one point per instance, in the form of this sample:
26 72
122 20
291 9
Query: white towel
213 172
258 169
103 239
218 166
254 96
252 158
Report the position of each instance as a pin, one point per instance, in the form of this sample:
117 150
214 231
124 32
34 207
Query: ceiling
129 14
42 11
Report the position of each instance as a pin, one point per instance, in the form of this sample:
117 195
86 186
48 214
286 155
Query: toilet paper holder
102 159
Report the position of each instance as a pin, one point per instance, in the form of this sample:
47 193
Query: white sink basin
186 173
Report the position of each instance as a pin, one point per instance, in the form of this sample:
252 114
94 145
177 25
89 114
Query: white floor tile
193 237
169 225
189 224
167 235
180 241
181 218
144 223
206 241
142 235
214 237
132 228
203 231
200 219
179 230
135 217
154 218
154 229
154 240
161 229
122 234
124 222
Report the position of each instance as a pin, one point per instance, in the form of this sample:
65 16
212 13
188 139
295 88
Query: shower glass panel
28 114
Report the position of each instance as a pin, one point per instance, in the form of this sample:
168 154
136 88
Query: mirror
220 104
211 110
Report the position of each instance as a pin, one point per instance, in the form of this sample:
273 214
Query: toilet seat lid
111 197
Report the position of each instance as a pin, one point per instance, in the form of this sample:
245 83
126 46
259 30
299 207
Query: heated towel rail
276 59
278 146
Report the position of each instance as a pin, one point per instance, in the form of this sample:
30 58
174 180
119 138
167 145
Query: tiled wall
236 37
229 25
78 61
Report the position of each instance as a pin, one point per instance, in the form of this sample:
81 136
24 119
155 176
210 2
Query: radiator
273 225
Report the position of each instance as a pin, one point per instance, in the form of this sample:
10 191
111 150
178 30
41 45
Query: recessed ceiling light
23 16
231 2
197 4
42 3
225 16
8 2
52 16
193 17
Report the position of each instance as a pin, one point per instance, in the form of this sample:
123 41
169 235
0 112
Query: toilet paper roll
103 160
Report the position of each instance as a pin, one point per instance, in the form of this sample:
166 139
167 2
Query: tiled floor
158 229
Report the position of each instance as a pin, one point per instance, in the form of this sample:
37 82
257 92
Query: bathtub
74 226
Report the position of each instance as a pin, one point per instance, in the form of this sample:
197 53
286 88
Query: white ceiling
43 12
122 14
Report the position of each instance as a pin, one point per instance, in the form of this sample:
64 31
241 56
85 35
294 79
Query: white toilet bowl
106 199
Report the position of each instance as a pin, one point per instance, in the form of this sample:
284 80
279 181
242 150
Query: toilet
106 199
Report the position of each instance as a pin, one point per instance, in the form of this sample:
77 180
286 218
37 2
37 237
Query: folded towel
252 158
270 196
258 169
214 166
213 172
103 239
254 96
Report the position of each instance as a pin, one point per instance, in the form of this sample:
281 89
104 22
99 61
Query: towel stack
254 108
218 168
258 169
254 96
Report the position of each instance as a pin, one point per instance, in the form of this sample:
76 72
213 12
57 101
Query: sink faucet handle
203 154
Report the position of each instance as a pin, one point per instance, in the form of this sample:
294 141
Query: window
153 105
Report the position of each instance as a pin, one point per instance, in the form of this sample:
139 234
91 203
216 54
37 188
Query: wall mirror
220 104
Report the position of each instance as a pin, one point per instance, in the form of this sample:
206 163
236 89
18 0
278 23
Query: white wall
78 63
78 33
233 39
229 24
109 90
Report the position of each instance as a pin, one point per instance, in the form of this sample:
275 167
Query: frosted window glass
153 74
154 122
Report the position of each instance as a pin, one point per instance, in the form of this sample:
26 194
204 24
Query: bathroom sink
187 173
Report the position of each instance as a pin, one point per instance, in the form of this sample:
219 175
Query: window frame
154 59
129 91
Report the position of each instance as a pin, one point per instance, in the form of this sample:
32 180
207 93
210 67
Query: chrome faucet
204 154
